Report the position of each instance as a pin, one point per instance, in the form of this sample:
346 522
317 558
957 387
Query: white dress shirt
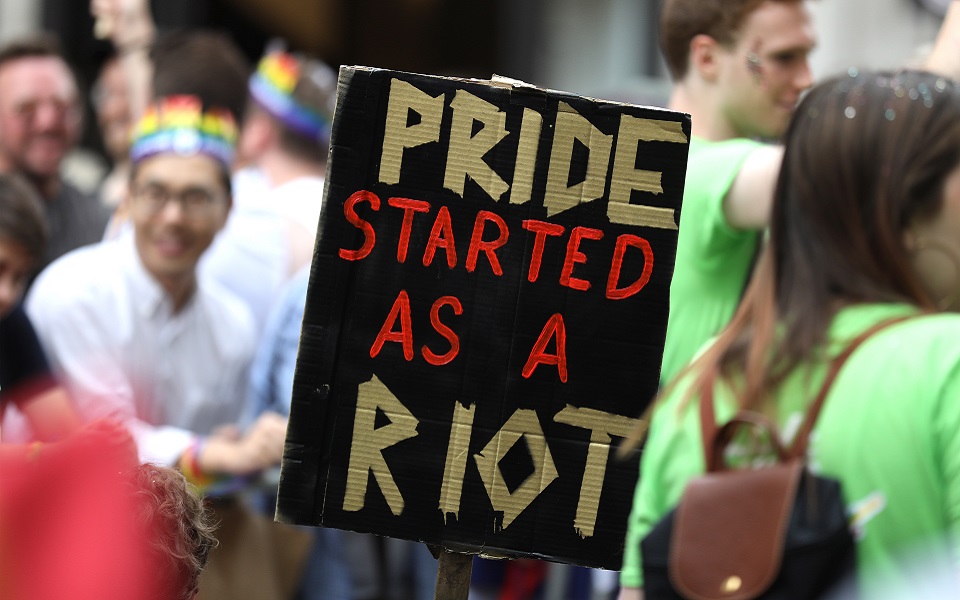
111 334
251 257
300 200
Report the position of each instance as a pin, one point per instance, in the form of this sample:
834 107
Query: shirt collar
149 297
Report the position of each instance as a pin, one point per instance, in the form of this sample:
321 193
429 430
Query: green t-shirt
713 259
889 431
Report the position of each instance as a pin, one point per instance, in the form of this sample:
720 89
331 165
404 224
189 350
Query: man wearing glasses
39 124
132 329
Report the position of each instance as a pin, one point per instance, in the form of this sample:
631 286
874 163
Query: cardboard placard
486 315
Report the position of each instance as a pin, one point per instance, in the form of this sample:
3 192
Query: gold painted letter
526 156
601 425
572 126
522 424
465 158
626 177
369 442
457 451
398 134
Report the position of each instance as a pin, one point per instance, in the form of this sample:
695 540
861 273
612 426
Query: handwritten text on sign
482 352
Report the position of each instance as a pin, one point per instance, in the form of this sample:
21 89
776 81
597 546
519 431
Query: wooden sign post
453 576
486 316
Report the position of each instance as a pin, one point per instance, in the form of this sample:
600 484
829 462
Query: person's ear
225 216
909 239
704 56
121 211
914 235
256 135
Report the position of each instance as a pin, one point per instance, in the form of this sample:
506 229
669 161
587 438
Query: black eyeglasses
195 202
68 110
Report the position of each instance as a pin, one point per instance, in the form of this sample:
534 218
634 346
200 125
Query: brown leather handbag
775 532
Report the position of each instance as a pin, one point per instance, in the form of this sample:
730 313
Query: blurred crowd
150 326
168 298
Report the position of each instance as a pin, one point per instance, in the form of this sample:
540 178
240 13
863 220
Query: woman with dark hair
25 377
865 227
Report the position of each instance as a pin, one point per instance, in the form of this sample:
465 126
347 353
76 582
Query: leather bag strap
708 422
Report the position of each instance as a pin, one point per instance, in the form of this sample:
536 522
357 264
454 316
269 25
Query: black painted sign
486 315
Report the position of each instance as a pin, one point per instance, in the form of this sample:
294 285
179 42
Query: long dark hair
866 154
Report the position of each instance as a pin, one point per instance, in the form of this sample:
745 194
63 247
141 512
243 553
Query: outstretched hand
259 448
127 23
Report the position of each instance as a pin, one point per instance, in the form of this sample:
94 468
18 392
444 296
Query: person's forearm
258 448
631 593
130 26
944 59
217 456
138 71
51 414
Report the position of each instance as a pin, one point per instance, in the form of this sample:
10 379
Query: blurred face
39 115
761 77
177 205
934 246
112 104
15 267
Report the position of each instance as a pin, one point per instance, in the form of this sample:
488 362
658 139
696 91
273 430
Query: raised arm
747 204
629 593
129 25
944 59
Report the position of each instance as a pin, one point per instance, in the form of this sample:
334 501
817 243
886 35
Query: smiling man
135 333
39 124
739 68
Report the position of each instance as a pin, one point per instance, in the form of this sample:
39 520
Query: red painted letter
369 236
401 308
626 239
553 328
442 359
489 248
542 229
574 256
441 227
409 207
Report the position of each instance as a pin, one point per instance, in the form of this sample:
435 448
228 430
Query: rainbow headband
272 88
178 125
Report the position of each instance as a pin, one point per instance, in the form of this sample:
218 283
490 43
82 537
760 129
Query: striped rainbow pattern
179 125
272 88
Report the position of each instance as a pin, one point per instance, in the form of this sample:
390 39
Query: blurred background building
602 48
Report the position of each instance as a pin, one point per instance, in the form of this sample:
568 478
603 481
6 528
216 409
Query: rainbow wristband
190 465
